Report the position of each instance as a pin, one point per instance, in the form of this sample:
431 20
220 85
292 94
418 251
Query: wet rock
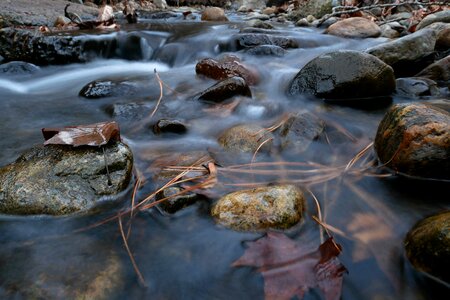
177 199
215 14
30 46
252 4
259 24
73 267
169 126
414 139
427 245
317 8
344 74
18 67
388 32
300 130
441 16
278 206
108 88
416 87
19 12
246 138
249 40
225 89
443 39
408 54
128 111
157 15
227 67
267 50
356 27
438 71
60 180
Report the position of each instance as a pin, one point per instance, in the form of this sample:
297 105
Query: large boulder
427 245
414 139
356 27
409 54
61 179
438 71
278 206
216 14
441 16
344 74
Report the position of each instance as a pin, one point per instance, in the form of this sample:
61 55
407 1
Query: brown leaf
90 135
290 269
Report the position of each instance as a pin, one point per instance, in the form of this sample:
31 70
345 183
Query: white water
78 77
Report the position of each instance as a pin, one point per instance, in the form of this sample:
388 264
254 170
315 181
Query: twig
136 269
352 9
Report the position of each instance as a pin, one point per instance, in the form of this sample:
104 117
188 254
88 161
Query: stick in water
106 165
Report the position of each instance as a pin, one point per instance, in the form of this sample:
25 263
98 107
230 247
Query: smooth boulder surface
408 54
216 14
278 206
414 139
416 87
225 89
438 71
246 138
61 179
108 88
441 16
427 245
356 27
344 74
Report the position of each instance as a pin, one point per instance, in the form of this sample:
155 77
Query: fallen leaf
290 269
90 135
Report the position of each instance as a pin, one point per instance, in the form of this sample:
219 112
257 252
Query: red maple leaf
290 269
97 134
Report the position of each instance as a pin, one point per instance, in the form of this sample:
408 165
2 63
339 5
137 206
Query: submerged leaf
82 135
290 269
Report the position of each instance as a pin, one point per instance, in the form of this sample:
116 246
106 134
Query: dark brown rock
414 139
438 71
246 138
227 67
169 126
427 245
225 89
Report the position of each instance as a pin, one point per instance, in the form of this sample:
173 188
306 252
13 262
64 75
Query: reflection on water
187 256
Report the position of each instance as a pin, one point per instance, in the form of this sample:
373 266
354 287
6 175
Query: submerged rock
356 27
74 267
438 71
225 89
300 130
344 74
169 126
414 139
416 87
278 206
269 50
427 245
249 40
18 67
246 138
176 199
60 179
108 88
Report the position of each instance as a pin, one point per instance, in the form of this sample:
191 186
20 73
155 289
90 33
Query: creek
187 255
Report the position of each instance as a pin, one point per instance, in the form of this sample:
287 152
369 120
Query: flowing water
186 255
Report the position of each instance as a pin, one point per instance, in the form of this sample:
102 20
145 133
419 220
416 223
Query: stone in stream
277 206
344 74
300 130
68 267
228 66
18 67
414 139
409 54
225 89
416 87
176 199
356 27
440 16
248 40
169 126
108 88
267 50
438 71
61 179
427 245
246 138
129 111
216 14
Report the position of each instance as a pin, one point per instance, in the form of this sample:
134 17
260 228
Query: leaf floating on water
82 135
290 269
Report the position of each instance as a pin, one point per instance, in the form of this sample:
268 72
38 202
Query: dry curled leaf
290 269
82 135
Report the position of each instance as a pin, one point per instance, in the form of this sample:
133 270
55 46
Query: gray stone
18 67
438 71
441 16
61 179
278 206
108 88
344 74
416 87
